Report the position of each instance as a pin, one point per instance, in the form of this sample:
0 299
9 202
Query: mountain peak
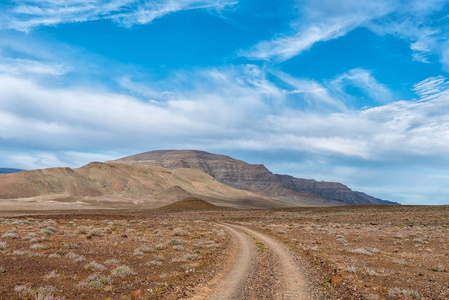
254 178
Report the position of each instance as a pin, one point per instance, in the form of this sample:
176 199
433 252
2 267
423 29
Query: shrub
49 231
94 266
42 293
177 242
82 230
95 232
180 232
80 259
3 245
70 246
161 246
186 267
38 246
123 271
95 281
179 248
11 235
361 251
143 249
159 258
112 261
398 292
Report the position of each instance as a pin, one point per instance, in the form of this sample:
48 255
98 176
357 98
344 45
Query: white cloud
364 80
415 21
235 107
319 21
27 66
431 87
23 15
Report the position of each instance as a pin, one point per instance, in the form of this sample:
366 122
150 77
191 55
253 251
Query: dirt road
258 267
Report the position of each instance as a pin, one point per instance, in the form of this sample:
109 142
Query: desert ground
203 252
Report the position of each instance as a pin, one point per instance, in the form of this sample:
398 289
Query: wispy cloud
28 66
23 15
364 80
319 21
432 87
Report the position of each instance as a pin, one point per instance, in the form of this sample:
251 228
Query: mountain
112 185
331 191
254 178
9 170
374 200
236 173
158 178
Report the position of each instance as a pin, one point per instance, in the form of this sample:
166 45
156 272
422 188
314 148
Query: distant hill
9 170
120 185
332 191
193 204
254 178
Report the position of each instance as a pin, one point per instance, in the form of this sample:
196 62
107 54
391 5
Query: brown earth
108 185
357 252
191 204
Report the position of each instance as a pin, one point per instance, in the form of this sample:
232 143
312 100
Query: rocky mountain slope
332 191
255 178
119 185
236 173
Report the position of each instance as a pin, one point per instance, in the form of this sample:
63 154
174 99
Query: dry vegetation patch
100 257
369 252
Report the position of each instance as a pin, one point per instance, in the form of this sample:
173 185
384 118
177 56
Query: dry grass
99 257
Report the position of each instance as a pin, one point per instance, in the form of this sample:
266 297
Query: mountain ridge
254 177
108 185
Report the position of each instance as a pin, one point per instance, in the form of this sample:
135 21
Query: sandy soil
371 252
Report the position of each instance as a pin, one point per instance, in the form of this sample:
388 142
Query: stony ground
100 258
348 253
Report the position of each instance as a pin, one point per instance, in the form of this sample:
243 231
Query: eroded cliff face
229 171
254 178
236 173
331 190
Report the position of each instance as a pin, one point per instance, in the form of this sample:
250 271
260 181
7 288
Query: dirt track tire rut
253 274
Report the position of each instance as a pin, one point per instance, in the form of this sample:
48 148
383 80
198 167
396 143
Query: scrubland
100 258
367 252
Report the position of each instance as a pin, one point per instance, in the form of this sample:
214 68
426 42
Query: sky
335 90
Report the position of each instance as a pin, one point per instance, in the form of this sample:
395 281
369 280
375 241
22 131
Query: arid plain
187 249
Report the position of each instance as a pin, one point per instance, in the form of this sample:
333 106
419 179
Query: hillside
332 191
236 173
109 185
254 178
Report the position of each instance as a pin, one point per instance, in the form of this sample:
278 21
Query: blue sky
342 90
